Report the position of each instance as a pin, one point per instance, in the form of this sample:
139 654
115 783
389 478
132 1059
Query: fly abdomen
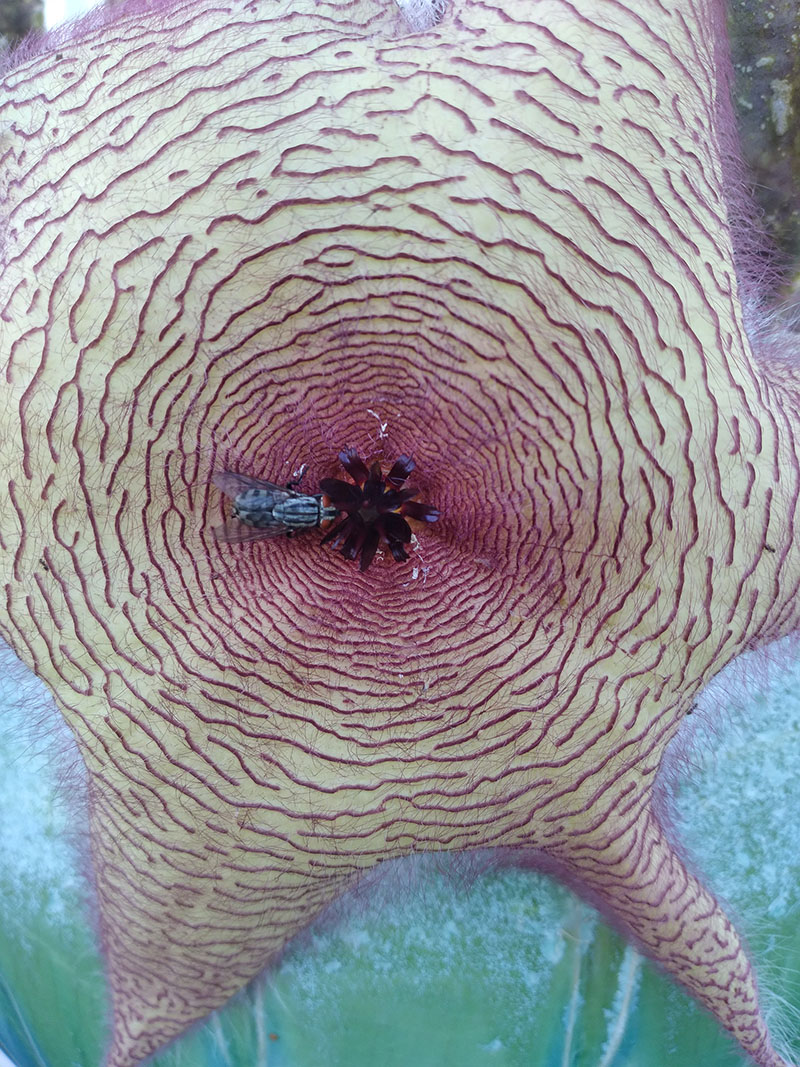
298 512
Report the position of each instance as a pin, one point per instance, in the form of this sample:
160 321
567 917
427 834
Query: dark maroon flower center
375 508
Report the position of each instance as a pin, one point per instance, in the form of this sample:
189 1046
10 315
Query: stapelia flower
375 507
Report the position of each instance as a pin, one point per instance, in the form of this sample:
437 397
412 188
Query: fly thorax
255 507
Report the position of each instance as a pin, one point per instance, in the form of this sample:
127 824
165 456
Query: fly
263 509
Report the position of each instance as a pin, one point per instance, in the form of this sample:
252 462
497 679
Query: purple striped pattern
246 237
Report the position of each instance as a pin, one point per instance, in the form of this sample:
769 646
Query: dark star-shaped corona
376 508
234 238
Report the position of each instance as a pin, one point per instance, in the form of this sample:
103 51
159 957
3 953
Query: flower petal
342 495
369 548
403 466
416 509
354 465
373 493
391 500
354 540
397 550
336 529
395 527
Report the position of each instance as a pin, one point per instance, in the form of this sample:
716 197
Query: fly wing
232 484
234 532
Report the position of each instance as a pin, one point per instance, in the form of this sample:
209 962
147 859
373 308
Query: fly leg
292 485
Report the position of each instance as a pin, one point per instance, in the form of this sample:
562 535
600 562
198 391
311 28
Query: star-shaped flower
229 239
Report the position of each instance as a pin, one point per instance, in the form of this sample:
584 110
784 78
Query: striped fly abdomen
299 512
